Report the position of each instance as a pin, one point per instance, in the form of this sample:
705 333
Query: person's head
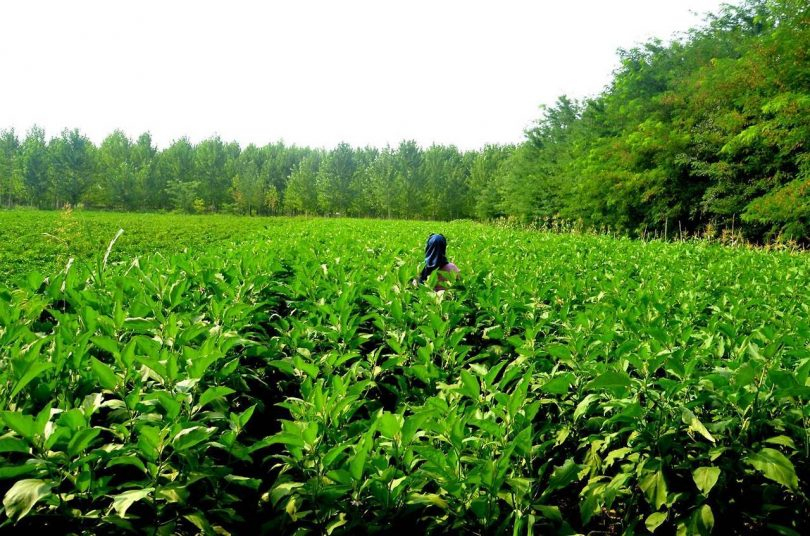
436 245
435 255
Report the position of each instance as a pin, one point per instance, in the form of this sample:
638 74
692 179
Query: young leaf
695 425
655 520
705 478
705 519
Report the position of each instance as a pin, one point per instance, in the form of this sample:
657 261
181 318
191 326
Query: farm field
44 241
237 375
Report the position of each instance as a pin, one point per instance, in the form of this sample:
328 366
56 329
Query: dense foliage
706 132
298 381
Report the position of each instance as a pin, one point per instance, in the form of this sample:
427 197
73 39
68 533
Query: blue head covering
435 257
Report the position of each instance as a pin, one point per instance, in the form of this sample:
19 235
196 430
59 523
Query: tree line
707 131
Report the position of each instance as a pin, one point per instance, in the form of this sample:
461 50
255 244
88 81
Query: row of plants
300 382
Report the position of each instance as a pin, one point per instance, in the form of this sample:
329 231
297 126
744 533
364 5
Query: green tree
117 178
11 184
248 187
35 163
210 169
301 195
72 165
335 181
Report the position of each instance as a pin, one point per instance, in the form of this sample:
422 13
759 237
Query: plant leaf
695 425
655 520
106 376
775 466
23 495
123 501
705 478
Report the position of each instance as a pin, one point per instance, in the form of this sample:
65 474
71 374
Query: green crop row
299 382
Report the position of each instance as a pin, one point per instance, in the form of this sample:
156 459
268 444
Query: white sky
314 72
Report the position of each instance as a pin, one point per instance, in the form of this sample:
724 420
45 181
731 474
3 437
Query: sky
314 72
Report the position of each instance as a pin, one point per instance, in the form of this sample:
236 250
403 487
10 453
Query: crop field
284 376
44 241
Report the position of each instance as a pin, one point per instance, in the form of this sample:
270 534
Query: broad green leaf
549 512
705 519
13 471
105 375
562 476
127 460
775 466
330 457
123 501
282 490
610 380
252 483
107 344
705 478
12 444
198 520
286 438
245 416
358 462
23 495
389 424
558 385
655 488
584 404
783 530
695 425
20 423
189 437
35 368
469 385
81 440
655 520
782 440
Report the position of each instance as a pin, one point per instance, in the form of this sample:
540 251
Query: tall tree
410 180
248 187
117 184
35 163
148 183
335 181
72 166
302 195
210 167
11 185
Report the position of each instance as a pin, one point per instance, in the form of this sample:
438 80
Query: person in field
436 259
